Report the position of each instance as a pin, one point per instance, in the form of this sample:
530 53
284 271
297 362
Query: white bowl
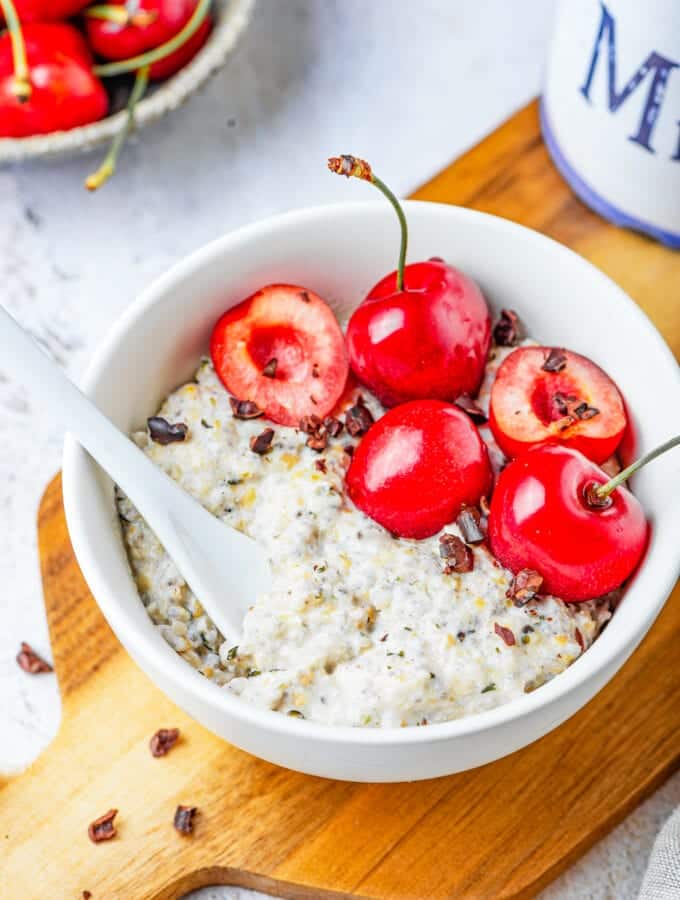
230 17
340 252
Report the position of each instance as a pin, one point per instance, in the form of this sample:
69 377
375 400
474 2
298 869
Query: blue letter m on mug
659 67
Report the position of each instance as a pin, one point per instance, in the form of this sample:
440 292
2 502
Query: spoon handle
114 452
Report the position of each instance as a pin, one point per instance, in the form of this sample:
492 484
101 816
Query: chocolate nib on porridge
333 426
261 443
457 556
508 330
163 432
163 741
30 662
103 829
245 409
358 419
555 361
470 523
524 586
317 435
184 819
468 405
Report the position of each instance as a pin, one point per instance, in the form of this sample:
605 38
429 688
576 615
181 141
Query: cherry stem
120 15
353 167
154 56
22 82
605 490
108 167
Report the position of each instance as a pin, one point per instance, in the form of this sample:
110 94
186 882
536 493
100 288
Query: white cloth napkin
662 878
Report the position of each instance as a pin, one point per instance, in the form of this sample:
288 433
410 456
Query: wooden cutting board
504 830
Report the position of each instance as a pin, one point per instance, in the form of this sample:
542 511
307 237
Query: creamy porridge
360 628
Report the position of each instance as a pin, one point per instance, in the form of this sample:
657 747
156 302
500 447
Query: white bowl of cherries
542 507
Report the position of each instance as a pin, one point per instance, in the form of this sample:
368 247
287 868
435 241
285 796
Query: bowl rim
78 468
230 23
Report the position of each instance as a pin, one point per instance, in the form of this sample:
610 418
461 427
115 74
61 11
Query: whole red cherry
424 330
555 511
47 10
149 25
56 91
417 466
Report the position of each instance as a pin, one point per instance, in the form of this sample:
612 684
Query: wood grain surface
501 831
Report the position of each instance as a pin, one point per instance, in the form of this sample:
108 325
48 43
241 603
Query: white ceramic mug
610 110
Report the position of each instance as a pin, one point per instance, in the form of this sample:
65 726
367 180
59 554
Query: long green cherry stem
22 80
353 167
108 167
604 490
153 56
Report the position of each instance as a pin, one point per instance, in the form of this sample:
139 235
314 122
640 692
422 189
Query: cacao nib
457 555
555 361
524 586
505 634
333 426
163 741
261 443
358 419
508 330
163 432
468 405
320 464
269 370
318 437
244 409
349 450
103 829
318 441
310 424
470 523
184 819
579 639
304 295
86 895
31 662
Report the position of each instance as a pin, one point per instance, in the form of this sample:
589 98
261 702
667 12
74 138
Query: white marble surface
312 78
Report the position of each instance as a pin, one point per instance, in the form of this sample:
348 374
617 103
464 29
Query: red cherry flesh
429 341
578 406
64 92
417 466
154 23
540 519
282 348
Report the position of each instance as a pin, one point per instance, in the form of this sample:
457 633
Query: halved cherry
544 394
417 466
282 349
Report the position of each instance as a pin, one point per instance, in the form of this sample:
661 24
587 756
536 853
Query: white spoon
224 568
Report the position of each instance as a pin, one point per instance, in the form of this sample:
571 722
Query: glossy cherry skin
539 519
429 341
47 10
114 41
416 467
64 92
